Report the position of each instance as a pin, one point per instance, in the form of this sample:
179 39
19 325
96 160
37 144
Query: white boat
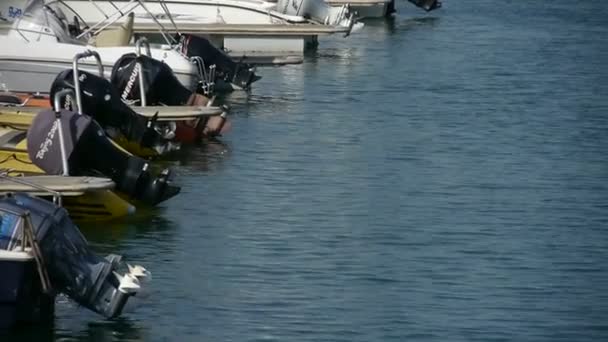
240 26
241 12
38 45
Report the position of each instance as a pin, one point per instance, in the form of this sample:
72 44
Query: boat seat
118 36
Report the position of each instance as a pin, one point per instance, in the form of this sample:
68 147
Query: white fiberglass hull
190 12
279 36
33 66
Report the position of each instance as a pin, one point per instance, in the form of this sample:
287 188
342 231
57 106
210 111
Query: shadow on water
203 157
397 24
102 331
116 237
98 331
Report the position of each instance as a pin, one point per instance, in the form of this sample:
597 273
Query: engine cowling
101 101
89 152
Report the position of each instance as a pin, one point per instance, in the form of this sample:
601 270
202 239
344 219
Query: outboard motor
101 101
238 74
427 5
90 152
161 85
162 88
72 267
317 10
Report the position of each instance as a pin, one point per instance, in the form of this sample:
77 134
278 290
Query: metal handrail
146 43
140 75
57 198
57 109
79 56
28 236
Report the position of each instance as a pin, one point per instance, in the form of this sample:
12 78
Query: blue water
436 177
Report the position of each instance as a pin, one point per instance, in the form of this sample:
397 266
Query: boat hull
32 67
21 298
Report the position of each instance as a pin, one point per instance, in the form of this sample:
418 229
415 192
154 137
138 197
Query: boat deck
247 30
66 186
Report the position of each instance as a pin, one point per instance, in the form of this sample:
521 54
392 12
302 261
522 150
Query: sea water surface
434 177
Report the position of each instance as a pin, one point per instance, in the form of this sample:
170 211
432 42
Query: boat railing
57 197
29 244
28 237
76 74
123 11
142 85
207 78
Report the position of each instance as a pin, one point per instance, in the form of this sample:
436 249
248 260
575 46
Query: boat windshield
50 15
36 11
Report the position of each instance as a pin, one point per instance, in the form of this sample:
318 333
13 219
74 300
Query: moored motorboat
40 43
86 198
42 254
239 26
61 142
131 126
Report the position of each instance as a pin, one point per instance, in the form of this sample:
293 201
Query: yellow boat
21 118
90 206
182 117
88 198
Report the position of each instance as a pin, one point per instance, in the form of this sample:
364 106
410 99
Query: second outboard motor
162 88
72 267
101 101
427 5
317 10
238 74
90 152
161 84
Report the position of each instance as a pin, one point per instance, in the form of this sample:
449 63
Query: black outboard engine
162 87
427 5
90 152
101 101
239 74
72 267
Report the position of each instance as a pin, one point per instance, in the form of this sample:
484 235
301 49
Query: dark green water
437 177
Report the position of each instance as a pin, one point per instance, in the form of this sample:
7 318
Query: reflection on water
99 331
73 330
